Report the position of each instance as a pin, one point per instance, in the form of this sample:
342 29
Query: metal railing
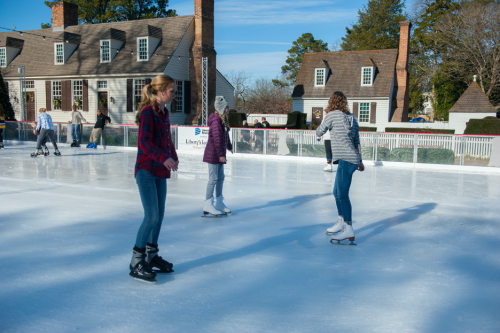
398 147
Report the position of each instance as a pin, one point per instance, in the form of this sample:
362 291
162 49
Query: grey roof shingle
346 73
473 100
37 55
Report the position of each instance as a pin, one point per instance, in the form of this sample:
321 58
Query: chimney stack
203 46
402 78
64 14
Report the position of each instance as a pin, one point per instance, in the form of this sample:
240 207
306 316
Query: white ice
427 257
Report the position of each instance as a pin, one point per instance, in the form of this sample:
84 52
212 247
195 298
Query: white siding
458 120
14 95
179 68
224 88
382 110
306 105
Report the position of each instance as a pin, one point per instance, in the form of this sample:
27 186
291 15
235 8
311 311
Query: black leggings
1 136
328 150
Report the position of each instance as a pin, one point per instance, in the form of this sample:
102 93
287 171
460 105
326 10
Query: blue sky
251 36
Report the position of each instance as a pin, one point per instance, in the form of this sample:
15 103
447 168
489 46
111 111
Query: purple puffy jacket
218 140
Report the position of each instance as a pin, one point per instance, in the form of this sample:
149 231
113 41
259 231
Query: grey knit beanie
220 104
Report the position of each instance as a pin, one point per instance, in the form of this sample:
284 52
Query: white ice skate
209 210
328 168
346 233
219 205
336 227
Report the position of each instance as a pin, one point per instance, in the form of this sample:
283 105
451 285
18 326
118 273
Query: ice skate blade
337 241
163 271
153 280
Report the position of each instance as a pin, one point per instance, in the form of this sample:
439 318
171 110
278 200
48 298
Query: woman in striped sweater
346 151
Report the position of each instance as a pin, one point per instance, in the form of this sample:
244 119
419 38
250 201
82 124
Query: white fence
276 119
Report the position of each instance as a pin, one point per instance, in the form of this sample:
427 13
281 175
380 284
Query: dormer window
59 53
320 77
367 74
142 49
3 57
105 54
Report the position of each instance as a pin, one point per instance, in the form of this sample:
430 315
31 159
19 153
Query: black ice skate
37 152
57 152
139 267
157 263
46 152
73 144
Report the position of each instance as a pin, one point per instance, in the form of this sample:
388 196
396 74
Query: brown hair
1 111
337 101
159 83
42 110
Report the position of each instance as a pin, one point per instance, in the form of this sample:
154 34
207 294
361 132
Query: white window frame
102 84
3 57
105 51
77 89
364 112
142 53
59 57
367 77
56 88
319 77
29 84
179 96
138 86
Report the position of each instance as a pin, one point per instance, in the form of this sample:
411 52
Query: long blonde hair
148 97
337 101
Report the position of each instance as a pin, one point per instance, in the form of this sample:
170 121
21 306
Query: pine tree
5 101
377 26
304 44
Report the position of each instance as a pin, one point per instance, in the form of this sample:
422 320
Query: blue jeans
341 188
153 191
215 180
75 131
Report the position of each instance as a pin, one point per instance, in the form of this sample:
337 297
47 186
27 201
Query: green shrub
401 155
235 118
419 130
424 155
367 129
243 147
488 125
307 150
295 119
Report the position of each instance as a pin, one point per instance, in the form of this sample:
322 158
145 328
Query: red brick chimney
64 14
203 46
402 79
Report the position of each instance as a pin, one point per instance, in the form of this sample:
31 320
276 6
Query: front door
317 117
30 106
102 101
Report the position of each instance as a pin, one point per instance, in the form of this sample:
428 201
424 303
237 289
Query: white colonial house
106 65
374 81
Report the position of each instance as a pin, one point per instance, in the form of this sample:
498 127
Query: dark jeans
328 150
75 131
46 132
341 188
153 191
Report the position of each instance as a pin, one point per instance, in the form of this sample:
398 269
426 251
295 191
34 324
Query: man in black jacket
265 123
101 121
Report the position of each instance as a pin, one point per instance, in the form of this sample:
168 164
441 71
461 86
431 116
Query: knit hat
220 104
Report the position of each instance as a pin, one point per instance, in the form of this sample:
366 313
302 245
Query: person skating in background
2 125
76 123
265 123
344 136
44 139
156 158
44 127
215 156
328 149
100 122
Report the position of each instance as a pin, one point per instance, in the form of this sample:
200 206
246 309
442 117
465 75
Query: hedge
487 125
307 150
235 118
424 155
382 153
367 129
419 130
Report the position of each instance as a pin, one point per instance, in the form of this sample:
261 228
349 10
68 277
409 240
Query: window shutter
7 87
373 112
85 96
187 97
130 95
355 109
66 95
48 95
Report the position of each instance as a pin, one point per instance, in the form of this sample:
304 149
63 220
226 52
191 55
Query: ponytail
149 92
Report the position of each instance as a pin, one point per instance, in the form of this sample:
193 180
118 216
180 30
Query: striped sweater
344 135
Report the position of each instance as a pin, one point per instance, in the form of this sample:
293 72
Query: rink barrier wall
451 149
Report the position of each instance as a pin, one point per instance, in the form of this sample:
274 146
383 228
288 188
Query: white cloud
265 64
238 12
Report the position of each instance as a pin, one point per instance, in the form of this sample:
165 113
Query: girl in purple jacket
215 156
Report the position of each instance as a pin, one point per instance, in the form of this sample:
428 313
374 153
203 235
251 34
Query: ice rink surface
427 259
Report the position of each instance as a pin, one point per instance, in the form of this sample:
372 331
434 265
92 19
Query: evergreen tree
304 44
377 26
5 100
